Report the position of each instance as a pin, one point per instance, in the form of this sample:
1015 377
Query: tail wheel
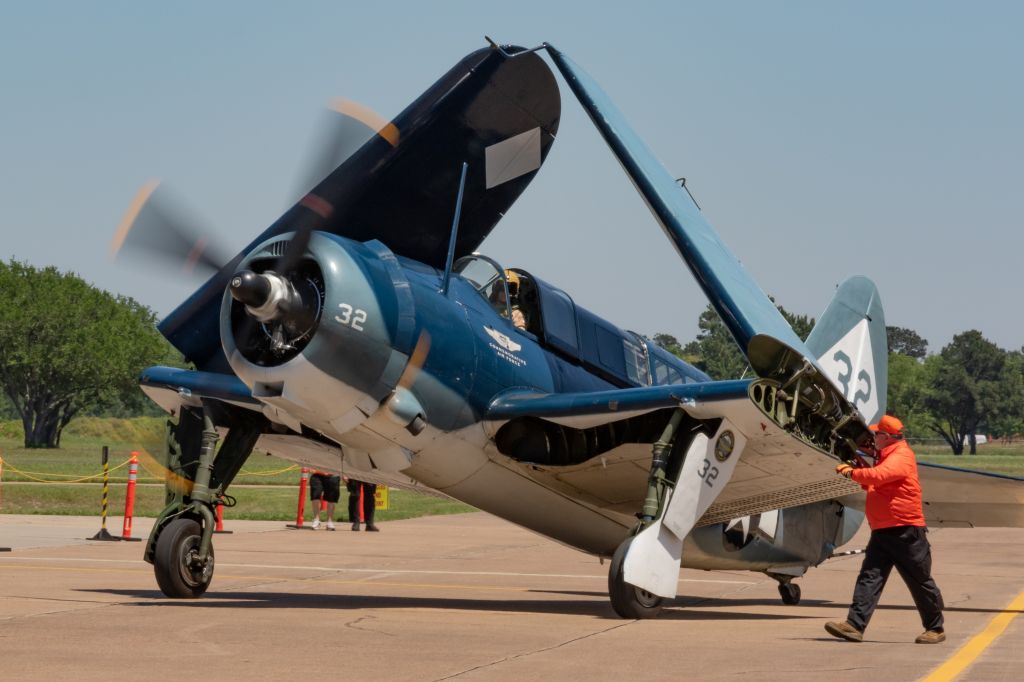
179 572
628 600
790 593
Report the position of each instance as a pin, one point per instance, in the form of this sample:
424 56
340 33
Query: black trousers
369 502
906 548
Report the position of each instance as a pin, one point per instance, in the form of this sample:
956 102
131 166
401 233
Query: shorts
327 487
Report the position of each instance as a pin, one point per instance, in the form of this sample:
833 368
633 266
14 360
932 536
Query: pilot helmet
513 282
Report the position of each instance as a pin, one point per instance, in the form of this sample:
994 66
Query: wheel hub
194 571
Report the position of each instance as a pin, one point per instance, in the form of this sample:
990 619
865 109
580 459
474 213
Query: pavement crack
542 650
355 626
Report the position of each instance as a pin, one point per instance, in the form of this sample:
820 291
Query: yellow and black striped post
103 534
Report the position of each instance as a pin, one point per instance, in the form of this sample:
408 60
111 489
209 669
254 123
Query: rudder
850 343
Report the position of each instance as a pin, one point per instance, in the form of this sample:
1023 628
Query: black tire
173 561
627 600
790 593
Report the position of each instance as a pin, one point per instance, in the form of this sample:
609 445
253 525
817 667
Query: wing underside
775 470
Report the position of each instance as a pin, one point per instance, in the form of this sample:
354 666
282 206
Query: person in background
369 492
326 487
898 537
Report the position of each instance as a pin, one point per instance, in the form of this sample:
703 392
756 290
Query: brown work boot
844 631
931 637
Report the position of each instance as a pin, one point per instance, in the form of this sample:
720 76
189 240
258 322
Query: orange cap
888 424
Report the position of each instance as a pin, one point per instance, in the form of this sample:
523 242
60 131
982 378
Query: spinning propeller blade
178 484
348 126
416 360
155 225
158 226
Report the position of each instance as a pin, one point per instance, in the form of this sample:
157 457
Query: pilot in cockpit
498 299
518 318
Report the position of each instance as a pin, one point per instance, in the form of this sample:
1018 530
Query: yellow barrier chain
36 475
33 475
268 473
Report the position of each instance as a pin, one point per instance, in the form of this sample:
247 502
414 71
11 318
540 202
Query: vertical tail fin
849 341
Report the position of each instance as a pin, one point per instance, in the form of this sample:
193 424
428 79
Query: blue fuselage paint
478 354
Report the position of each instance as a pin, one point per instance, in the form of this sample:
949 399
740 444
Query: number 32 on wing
352 317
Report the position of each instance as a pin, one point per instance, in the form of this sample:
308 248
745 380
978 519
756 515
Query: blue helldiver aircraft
361 333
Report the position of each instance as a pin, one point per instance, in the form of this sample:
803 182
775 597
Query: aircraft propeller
157 225
161 228
282 298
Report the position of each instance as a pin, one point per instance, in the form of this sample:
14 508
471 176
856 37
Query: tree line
69 349
970 387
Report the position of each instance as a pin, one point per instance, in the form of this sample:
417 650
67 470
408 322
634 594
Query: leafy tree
965 388
801 324
909 382
1007 418
714 350
669 343
65 345
7 410
906 342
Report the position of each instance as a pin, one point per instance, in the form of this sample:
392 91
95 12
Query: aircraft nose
327 343
250 289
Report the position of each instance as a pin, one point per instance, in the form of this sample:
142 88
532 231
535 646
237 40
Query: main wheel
628 600
790 593
179 573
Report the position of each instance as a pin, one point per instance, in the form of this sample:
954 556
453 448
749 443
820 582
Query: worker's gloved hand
844 469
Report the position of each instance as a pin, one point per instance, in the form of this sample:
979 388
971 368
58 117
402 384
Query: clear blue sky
821 139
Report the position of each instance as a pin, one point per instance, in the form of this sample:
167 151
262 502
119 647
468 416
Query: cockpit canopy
539 309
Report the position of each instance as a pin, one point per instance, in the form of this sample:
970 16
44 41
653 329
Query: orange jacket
894 491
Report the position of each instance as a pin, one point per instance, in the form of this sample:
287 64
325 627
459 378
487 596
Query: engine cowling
327 341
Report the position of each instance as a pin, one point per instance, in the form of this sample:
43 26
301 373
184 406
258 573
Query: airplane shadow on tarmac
598 607
713 602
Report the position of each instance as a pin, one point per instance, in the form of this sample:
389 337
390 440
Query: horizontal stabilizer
961 498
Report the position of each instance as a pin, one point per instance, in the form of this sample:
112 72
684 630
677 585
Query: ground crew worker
898 537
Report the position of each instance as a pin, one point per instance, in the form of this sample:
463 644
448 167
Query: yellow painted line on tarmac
967 654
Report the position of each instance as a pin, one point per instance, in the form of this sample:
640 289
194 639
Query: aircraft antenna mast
455 232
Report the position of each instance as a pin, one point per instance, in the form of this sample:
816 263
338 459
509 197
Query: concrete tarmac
466 597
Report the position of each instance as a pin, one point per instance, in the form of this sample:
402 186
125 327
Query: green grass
77 460
80 456
992 457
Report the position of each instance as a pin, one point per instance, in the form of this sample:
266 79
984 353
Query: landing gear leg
180 547
630 601
627 600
